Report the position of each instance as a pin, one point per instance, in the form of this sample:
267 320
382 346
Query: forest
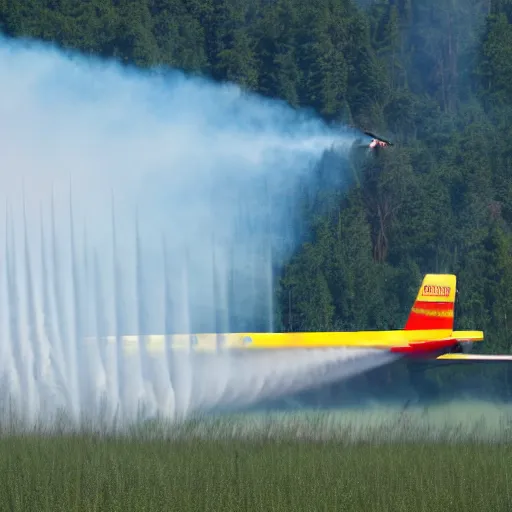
433 76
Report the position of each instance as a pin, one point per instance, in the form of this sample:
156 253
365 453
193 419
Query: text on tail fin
435 303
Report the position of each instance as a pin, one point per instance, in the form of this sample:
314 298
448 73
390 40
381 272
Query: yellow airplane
428 333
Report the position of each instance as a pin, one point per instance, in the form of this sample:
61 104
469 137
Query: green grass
84 473
457 458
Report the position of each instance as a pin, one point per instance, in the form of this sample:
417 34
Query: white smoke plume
141 202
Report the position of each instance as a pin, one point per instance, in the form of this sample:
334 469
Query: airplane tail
435 303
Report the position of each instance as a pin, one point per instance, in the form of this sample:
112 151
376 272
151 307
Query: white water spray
140 203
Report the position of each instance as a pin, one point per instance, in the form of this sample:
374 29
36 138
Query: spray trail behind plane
137 203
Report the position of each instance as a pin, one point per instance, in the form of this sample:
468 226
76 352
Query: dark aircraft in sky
377 142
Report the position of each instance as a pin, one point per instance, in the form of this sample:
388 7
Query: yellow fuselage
211 342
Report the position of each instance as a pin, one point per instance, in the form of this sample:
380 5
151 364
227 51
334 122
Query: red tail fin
435 303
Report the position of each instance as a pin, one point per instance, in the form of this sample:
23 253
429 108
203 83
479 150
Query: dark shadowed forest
434 76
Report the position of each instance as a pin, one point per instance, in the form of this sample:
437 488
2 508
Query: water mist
145 203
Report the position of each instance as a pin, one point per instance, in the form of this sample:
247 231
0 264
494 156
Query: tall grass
87 473
452 458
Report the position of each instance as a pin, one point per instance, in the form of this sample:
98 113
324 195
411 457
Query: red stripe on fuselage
423 347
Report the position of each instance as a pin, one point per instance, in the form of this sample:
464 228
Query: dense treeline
436 76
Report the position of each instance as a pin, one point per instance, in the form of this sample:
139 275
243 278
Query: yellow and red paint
428 331
435 304
430 315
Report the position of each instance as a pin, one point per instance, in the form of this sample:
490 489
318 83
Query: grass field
452 458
